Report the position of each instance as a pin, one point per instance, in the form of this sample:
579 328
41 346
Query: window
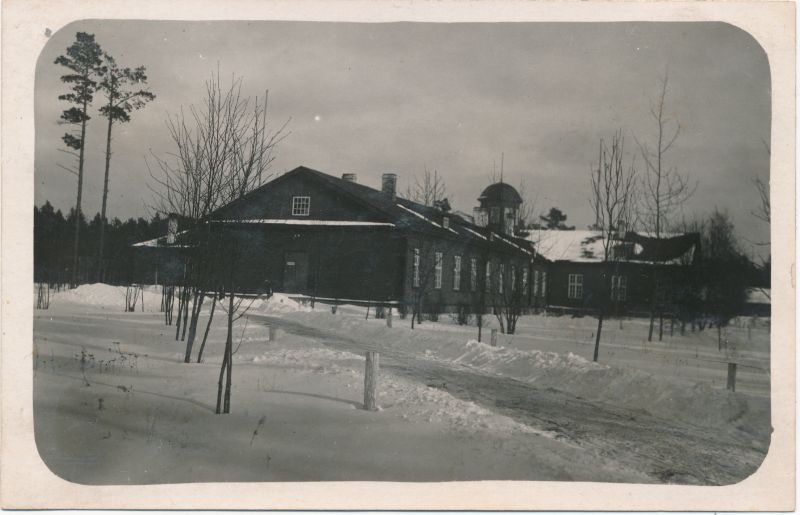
416 268
456 273
544 284
473 274
575 288
513 278
500 278
437 280
525 280
494 215
488 279
535 283
301 206
619 287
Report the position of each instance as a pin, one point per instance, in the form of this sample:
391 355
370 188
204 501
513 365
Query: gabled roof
398 213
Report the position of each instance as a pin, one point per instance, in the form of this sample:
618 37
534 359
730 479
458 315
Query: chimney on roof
172 228
389 185
350 177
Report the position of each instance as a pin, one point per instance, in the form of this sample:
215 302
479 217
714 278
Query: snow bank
109 297
619 386
277 303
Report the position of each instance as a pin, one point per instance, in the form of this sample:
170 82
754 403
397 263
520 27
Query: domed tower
499 209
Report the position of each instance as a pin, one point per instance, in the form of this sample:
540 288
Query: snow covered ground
113 402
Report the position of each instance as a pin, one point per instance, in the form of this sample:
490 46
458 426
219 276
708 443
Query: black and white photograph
406 252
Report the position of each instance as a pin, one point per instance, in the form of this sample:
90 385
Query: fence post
494 338
273 333
371 382
732 376
389 318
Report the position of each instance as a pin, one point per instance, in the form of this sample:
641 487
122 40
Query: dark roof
403 213
665 249
500 192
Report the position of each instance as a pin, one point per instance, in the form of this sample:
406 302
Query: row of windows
438 269
619 287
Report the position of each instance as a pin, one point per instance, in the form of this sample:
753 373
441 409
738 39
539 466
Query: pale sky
399 97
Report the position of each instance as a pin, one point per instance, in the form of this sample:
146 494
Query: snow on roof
580 246
425 218
758 296
284 221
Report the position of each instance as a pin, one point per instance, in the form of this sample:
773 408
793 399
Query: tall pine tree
125 93
84 59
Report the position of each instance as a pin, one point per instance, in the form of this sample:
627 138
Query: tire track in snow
668 451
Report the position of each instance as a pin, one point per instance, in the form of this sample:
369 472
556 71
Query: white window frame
525 280
456 273
473 274
437 280
513 278
301 206
544 284
575 286
535 283
619 288
488 277
415 275
500 272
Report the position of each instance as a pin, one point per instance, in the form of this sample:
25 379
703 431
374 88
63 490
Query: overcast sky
372 98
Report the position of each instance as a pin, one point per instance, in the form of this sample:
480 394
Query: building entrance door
295 272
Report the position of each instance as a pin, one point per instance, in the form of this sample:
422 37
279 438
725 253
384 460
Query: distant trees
724 271
613 185
84 60
427 189
125 93
53 241
554 220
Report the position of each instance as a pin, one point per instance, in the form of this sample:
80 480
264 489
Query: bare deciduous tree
613 196
664 188
427 189
223 150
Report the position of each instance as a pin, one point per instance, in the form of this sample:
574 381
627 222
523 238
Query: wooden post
389 318
273 333
333 309
494 338
371 382
732 376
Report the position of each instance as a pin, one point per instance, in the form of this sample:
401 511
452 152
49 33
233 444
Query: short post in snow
732 376
273 333
371 382
389 318
333 309
494 338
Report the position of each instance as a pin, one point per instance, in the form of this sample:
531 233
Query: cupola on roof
500 192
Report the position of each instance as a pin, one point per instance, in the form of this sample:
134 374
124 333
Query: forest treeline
53 243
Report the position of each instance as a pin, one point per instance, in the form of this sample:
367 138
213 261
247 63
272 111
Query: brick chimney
389 185
351 177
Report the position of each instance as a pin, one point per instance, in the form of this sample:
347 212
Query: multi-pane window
301 206
456 273
619 287
575 286
500 273
488 278
535 283
513 278
437 278
416 268
473 274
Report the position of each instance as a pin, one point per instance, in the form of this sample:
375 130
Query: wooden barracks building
332 239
